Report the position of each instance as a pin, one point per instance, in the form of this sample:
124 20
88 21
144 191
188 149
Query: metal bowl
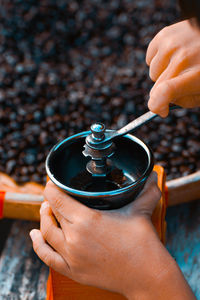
66 164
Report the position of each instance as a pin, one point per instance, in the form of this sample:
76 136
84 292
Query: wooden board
183 240
22 275
5 226
184 189
179 190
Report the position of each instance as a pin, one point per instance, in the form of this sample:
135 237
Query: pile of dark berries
65 64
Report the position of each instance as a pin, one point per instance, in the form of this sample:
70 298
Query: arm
117 250
174 59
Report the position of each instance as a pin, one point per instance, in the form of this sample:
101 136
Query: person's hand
174 59
117 250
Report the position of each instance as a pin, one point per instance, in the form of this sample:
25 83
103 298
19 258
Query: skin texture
117 250
174 60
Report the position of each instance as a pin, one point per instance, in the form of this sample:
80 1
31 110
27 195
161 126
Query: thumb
171 90
146 202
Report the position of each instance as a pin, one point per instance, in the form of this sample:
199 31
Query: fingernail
154 107
152 104
163 112
44 205
32 234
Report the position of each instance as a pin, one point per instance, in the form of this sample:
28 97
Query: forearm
173 286
165 282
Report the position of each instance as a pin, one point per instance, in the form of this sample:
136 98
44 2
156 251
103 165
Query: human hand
174 59
117 250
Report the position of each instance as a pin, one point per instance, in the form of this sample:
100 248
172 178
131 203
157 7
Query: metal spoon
99 144
99 136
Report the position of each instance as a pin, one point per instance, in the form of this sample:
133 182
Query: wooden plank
184 189
22 275
5 226
23 211
183 240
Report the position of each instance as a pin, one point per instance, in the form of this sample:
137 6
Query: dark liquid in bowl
101 186
84 181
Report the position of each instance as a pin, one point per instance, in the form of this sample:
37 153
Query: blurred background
65 64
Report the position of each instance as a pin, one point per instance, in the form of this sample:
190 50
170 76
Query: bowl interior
66 163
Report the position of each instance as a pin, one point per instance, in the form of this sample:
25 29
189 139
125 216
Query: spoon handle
132 126
136 123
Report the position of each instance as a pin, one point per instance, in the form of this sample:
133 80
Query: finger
63 222
60 220
168 73
146 202
159 41
189 101
151 50
50 230
168 91
153 178
48 255
174 66
63 204
158 65
166 61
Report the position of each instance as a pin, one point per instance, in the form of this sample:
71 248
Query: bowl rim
85 194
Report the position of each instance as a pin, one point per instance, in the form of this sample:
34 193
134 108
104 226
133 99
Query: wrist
163 280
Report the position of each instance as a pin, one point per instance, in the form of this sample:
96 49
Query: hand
174 59
117 250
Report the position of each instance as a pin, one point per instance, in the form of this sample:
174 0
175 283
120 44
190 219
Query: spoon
99 144
100 136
